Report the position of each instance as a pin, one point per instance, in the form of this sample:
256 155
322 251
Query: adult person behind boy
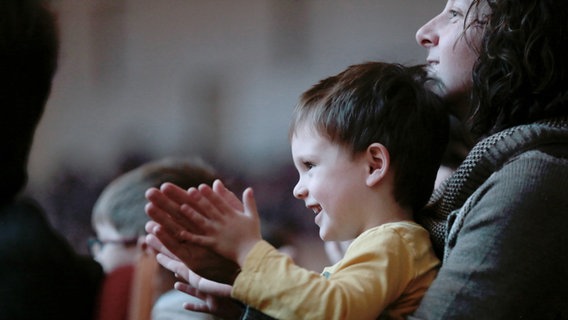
41 277
367 144
133 281
500 221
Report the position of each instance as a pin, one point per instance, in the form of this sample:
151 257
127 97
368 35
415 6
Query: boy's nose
300 192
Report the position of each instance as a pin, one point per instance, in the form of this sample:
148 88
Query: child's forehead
308 129
309 141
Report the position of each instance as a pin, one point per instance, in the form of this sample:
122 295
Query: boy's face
332 184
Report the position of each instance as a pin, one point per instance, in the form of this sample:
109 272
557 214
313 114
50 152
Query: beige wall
210 77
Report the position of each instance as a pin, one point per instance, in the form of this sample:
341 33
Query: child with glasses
118 219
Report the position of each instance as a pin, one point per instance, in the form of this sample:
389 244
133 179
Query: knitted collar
485 158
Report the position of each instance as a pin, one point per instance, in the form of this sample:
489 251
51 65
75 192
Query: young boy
367 144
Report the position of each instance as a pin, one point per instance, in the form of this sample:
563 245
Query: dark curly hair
521 75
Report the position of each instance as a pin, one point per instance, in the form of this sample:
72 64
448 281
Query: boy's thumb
249 203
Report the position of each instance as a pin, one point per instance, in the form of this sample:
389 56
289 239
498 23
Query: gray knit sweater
500 222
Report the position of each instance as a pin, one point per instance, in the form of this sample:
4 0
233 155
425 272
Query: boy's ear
378 160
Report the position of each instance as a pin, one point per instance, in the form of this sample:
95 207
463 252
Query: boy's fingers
226 194
178 247
173 223
157 245
200 224
195 239
217 202
201 204
173 265
250 203
150 225
162 209
193 197
174 193
160 200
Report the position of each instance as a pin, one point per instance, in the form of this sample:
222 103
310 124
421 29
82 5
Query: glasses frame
95 245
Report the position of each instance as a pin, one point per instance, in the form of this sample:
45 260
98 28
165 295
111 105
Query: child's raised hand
165 210
164 236
219 225
223 307
194 280
215 297
226 194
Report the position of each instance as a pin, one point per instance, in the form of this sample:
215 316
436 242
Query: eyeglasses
95 245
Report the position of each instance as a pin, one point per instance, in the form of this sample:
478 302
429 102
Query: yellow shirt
385 272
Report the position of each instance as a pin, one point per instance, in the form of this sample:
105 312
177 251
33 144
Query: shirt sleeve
507 247
375 271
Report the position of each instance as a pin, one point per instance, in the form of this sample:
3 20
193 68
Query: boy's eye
308 165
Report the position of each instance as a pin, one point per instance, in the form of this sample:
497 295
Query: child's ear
378 160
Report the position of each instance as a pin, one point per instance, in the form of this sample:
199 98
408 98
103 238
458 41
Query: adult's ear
378 159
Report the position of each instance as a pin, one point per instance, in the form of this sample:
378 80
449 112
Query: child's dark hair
385 103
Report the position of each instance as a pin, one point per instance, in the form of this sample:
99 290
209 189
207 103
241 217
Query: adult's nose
426 36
